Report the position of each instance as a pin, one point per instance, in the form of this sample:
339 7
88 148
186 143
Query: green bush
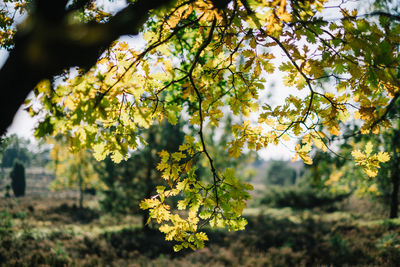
301 197
17 175
280 173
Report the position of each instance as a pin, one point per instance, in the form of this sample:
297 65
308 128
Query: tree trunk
149 187
145 213
81 189
80 197
394 204
148 180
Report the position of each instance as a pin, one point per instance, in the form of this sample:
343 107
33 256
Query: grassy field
47 228
52 231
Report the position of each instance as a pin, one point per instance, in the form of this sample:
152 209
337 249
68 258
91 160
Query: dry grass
49 230
50 234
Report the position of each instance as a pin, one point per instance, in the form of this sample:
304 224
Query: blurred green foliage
280 173
16 148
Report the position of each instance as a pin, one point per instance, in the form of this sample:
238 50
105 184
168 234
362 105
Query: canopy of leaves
203 59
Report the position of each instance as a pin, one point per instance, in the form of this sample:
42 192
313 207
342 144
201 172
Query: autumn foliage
202 60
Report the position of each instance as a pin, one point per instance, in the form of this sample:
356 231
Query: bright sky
23 124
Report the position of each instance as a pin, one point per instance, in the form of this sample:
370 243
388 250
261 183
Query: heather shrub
301 197
6 224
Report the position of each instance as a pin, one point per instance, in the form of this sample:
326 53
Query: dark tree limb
46 45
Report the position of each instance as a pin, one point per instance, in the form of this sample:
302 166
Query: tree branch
44 47
46 44
199 97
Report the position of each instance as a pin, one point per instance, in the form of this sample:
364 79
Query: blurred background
59 208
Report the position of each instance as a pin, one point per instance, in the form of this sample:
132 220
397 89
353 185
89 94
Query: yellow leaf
69 103
375 130
368 149
334 131
371 173
319 143
257 69
99 153
202 236
373 188
334 177
357 154
285 137
117 157
306 159
235 150
163 154
383 156
123 46
43 86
